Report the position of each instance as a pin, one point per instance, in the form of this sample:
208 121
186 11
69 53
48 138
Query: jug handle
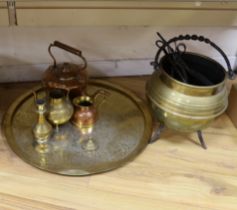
69 49
231 73
98 93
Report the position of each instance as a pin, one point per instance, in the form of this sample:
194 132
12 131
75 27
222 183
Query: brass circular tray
122 131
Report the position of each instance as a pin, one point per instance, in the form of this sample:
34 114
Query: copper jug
86 110
67 76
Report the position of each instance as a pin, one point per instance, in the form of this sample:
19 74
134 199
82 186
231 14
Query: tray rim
140 103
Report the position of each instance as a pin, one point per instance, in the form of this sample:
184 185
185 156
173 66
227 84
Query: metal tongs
179 68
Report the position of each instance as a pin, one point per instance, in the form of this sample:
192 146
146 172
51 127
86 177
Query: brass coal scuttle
187 91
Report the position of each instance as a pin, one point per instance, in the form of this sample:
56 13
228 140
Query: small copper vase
86 110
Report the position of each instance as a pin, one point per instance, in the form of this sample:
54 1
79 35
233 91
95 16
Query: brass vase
60 107
42 130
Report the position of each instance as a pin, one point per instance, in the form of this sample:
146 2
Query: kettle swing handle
231 73
69 49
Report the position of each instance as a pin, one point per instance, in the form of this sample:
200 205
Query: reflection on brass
89 144
42 130
67 76
60 107
42 148
86 110
121 133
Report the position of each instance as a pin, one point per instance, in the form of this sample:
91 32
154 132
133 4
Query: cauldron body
184 107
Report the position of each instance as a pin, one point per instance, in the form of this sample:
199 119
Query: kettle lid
67 72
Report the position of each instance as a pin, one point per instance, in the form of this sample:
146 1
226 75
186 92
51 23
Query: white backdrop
110 51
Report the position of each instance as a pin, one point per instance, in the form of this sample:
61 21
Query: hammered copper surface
121 132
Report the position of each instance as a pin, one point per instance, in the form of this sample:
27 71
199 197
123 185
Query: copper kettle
67 76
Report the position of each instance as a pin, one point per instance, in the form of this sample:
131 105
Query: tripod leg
157 133
202 142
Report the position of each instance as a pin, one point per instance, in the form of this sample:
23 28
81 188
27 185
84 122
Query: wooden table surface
174 173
